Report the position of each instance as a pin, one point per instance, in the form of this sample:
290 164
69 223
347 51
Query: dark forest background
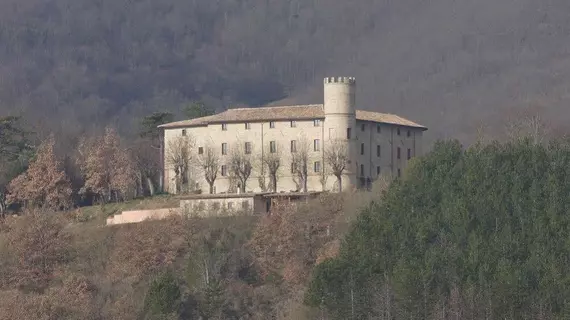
72 66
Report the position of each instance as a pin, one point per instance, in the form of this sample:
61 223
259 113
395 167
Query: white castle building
302 138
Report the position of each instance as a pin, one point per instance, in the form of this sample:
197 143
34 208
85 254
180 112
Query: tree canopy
465 234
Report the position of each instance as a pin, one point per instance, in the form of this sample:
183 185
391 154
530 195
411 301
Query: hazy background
452 65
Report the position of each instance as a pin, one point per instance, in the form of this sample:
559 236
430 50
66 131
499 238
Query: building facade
368 144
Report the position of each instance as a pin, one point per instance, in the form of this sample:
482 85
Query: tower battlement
345 80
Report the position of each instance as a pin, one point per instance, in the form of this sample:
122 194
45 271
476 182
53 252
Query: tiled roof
300 112
386 118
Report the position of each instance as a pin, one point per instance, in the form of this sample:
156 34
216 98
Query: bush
163 296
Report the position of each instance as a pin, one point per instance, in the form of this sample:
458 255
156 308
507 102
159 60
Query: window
348 133
200 150
216 205
363 127
293 124
362 170
409 134
293 146
399 173
409 154
378 128
272 124
224 148
292 167
317 145
224 170
230 205
378 170
184 132
247 126
362 148
398 131
224 126
317 122
272 147
248 148
398 153
317 166
378 151
245 204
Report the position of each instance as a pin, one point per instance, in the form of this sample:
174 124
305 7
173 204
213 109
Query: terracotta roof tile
299 112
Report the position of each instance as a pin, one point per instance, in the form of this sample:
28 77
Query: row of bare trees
241 163
108 170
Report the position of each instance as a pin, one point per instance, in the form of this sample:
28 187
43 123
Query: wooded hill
69 66
478 233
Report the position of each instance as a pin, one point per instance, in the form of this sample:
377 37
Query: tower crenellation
339 96
347 80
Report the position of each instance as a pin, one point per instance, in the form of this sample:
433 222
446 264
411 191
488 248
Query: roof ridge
273 107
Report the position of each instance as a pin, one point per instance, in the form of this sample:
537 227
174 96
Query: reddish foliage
108 169
45 183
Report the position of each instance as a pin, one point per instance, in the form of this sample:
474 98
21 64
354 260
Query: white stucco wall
260 134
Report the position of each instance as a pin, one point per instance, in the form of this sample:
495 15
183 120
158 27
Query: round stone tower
340 119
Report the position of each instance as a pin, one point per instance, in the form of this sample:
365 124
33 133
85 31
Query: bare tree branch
336 155
179 157
210 163
272 161
300 164
240 166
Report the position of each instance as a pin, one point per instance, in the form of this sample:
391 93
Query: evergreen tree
163 297
472 233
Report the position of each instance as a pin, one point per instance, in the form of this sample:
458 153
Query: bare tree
324 176
240 166
528 127
527 123
210 163
300 164
336 156
272 162
148 168
153 137
179 156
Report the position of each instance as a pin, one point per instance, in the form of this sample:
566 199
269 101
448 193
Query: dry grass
103 273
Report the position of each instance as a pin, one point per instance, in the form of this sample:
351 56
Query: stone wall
141 215
200 206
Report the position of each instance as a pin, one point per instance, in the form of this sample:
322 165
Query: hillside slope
473 233
451 65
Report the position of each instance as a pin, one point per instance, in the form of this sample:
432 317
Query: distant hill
452 65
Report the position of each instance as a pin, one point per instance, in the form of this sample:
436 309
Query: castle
289 148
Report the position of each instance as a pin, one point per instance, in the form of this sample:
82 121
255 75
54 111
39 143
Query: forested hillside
70 65
477 233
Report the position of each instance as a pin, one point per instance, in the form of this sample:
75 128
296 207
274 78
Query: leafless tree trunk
527 125
210 163
240 166
3 205
300 163
273 162
336 156
179 157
